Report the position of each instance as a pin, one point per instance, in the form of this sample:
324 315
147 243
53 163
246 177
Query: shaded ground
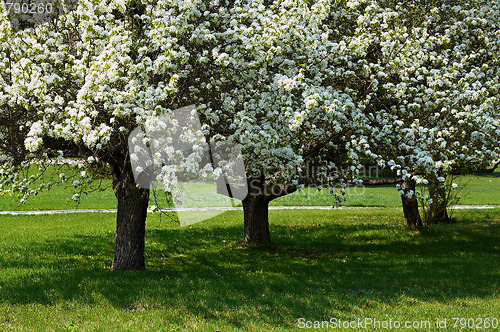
54 272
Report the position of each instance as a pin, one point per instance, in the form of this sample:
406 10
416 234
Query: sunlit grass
475 190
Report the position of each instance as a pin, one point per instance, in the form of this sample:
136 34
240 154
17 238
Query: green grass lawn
477 189
54 272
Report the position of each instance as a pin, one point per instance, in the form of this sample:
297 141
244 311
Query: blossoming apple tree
297 85
433 80
261 75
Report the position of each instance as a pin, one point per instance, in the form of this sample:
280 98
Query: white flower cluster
289 82
434 76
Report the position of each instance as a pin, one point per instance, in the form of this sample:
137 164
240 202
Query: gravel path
44 212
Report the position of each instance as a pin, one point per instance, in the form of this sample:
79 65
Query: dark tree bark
12 143
488 170
256 208
130 221
459 171
380 182
438 209
256 220
256 205
410 206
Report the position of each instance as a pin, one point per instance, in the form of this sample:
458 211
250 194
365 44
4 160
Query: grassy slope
54 272
475 189
478 189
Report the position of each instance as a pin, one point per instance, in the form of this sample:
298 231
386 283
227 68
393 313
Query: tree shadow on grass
316 270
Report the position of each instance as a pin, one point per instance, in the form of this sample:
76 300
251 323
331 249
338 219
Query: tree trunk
256 222
410 205
130 222
438 209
